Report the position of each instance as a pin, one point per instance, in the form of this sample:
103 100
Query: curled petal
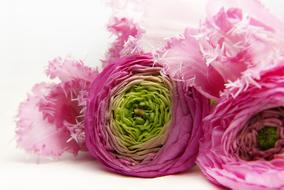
184 61
159 24
69 69
260 15
232 44
64 106
127 39
36 134
51 120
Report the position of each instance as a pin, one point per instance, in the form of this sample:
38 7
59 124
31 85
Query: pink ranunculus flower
50 122
237 40
140 122
243 143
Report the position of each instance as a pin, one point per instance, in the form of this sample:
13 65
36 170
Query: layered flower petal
242 147
184 61
140 122
233 43
70 69
258 13
51 121
159 23
37 135
127 41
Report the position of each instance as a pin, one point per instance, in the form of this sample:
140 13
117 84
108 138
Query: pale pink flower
237 41
243 141
50 121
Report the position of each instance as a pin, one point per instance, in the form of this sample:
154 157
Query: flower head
233 43
243 142
140 122
51 120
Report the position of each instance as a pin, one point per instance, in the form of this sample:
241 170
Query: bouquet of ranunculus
169 97
132 116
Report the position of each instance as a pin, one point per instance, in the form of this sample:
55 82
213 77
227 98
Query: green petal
140 115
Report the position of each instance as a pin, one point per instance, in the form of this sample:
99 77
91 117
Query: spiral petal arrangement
242 147
139 122
140 116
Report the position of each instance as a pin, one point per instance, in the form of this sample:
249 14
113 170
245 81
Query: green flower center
260 138
141 113
266 137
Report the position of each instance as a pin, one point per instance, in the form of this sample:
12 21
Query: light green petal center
140 116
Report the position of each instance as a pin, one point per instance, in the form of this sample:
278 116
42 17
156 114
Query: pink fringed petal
159 23
246 45
69 69
37 135
50 121
230 49
260 15
64 107
185 61
127 39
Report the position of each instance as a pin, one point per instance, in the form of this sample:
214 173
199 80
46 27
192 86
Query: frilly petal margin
254 9
218 160
232 44
184 61
159 23
37 135
68 69
50 122
178 152
127 34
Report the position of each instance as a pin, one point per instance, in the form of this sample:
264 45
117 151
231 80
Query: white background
33 32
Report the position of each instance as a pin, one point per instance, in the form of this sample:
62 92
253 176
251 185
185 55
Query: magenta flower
242 147
238 40
140 122
51 120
